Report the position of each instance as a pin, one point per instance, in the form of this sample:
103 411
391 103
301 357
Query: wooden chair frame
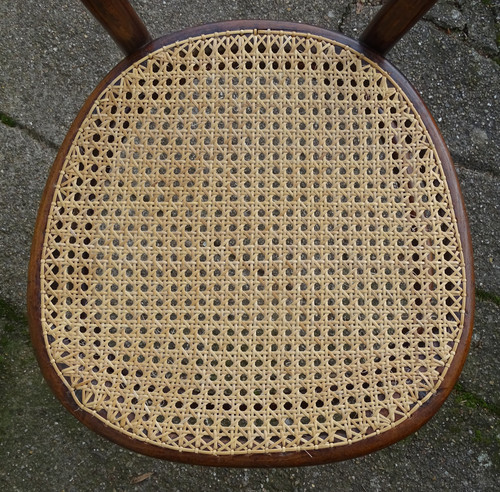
393 20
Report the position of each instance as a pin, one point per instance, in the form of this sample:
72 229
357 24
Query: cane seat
252 253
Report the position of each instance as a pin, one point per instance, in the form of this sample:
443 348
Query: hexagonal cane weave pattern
252 248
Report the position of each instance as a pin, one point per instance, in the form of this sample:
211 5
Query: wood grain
392 21
122 23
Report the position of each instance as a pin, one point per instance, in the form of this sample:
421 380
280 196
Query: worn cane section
252 248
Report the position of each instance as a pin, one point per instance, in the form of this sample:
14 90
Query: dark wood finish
121 21
392 21
310 457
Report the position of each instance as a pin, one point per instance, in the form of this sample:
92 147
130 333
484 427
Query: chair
252 249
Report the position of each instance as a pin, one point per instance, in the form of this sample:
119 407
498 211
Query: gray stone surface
53 54
481 370
52 58
24 166
448 15
482 28
481 193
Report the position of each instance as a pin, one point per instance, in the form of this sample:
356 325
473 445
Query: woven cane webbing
252 248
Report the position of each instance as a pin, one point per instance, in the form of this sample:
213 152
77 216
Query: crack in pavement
31 132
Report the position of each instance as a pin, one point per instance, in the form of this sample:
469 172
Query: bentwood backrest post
122 23
392 22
